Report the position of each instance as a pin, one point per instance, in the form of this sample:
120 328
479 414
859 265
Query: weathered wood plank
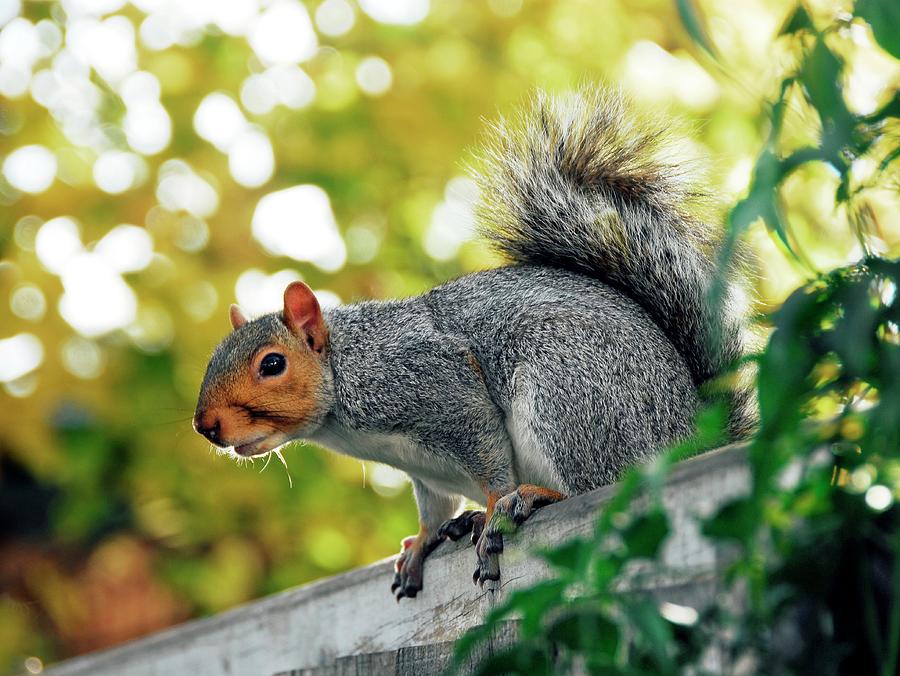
350 623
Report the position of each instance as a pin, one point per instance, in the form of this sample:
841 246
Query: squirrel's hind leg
508 513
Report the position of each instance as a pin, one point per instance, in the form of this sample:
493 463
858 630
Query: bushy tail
583 182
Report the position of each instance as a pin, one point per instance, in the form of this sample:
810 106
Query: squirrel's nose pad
211 429
213 432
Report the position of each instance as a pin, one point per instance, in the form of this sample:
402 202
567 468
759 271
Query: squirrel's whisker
277 452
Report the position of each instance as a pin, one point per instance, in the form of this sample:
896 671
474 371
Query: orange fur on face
257 413
252 412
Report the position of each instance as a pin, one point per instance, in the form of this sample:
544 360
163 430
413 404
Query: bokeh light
126 248
82 357
879 497
57 242
219 120
373 75
251 159
401 12
19 355
298 222
180 188
335 17
27 301
258 293
287 85
30 168
283 34
96 299
453 220
116 171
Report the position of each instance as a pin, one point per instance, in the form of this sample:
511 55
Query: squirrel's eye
272 364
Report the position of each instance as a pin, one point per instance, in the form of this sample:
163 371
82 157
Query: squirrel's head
269 381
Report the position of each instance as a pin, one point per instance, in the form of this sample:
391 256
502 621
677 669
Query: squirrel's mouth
253 448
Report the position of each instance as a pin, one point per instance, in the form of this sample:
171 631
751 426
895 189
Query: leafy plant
817 566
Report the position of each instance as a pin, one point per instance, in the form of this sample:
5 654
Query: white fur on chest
438 473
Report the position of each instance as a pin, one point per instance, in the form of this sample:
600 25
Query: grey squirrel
518 386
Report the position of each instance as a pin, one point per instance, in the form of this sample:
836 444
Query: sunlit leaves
645 535
691 18
884 18
797 21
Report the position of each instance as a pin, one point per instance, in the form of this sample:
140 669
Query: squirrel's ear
237 316
303 316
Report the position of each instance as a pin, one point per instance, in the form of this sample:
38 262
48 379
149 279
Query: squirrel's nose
209 428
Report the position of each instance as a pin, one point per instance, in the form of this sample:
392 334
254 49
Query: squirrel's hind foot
509 513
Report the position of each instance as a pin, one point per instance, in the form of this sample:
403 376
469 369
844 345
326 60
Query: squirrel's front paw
470 521
408 570
487 552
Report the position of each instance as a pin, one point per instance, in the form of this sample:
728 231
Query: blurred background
161 159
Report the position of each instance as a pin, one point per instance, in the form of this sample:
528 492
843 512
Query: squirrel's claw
408 576
408 571
470 521
409 566
487 552
509 513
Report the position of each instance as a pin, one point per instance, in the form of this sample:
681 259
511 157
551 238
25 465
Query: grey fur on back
583 183
498 368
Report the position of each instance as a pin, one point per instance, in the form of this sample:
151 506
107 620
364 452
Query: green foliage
816 541
883 17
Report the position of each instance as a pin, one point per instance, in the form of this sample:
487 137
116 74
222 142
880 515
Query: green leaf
467 643
606 568
652 633
628 487
571 557
645 535
890 157
821 80
482 633
693 23
798 20
776 115
842 194
798 158
785 367
854 335
762 201
890 109
534 602
736 520
517 659
884 18
820 75
586 630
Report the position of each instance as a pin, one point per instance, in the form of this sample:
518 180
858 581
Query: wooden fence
350 624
